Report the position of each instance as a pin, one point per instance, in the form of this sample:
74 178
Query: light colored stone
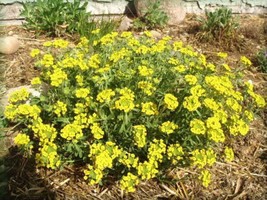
156 34
173 8
11 11
104 8
4 99
9 45
126 24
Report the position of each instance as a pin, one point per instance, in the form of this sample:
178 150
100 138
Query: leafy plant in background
262 60
219 25
153 18
58 17
132 108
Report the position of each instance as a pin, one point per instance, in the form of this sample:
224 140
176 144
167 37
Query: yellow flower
58 77
149 108
36 81
197 91
147 170
203 157
145 71
222 55
93 175
60 43
229 154
213 122
211 104
34 53
105 95
96 31
171 101
190 79
48 60
96 130
129 182
197 126
124 103
19 95
82 92
175 153
22 139
205 177
216 135
245 61
168 127
60 108
140 135
72 131
191 103
47 44
94 61
146 87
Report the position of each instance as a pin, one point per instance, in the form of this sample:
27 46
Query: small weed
262 60
153 18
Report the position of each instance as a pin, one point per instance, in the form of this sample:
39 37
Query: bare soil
245 178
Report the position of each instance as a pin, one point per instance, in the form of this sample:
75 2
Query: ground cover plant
132 108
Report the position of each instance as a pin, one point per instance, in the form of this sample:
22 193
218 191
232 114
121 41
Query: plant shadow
21 180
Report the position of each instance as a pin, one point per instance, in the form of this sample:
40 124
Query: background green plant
219 25
154 17
262 60
59 17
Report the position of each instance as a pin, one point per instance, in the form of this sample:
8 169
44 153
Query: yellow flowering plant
131 105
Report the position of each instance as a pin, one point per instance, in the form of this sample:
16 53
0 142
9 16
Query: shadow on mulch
21 180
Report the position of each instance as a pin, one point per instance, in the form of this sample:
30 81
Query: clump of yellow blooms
132 106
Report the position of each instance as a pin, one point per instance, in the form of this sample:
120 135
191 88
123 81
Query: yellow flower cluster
139 106
140 135
22 140
19 95
60 108
168 127
229 154
171 101
202 158
105 95
71 132
175 153
149 108
126 100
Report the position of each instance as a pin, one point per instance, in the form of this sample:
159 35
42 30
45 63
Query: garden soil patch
244 178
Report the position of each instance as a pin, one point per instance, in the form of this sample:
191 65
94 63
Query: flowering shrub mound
132 108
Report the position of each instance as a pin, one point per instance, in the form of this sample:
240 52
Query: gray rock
126 24
11 11
9 45
156 34
173 8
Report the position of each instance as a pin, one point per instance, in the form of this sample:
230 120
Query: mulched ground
245 178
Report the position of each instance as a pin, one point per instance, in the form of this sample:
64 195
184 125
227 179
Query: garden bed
244 178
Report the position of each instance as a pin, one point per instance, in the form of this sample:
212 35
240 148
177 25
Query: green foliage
219 25
132 108
153 18
262 60
60 17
